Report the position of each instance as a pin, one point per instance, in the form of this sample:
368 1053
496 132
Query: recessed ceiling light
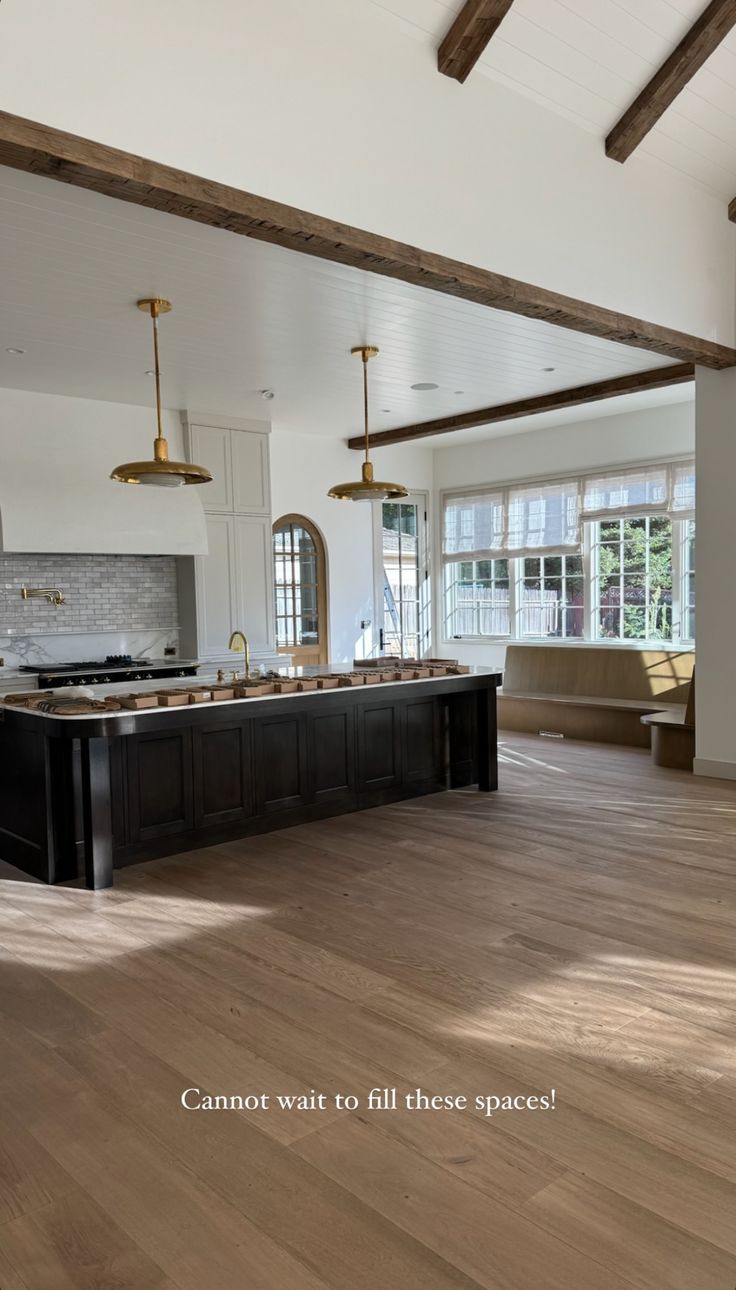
459 391
425 385
385 409
150 372
267 394
549 369
10 350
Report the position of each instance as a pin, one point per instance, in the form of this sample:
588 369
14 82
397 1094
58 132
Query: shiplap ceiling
588 59
249 316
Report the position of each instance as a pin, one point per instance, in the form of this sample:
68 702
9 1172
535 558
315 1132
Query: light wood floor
574 931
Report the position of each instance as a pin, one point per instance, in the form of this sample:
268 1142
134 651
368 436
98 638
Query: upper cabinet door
210 447
216 582
251 481
253 588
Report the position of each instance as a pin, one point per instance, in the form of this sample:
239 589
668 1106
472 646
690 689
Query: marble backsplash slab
67 646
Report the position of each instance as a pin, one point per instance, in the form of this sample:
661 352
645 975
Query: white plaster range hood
56 495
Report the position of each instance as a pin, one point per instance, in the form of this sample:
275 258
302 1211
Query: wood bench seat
668 719
650 706
595 693
673 734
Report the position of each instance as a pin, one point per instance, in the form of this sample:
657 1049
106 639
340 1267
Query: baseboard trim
714 769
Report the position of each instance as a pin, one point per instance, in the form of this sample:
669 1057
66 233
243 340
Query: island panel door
379 746
332 755
423 753
224 791
160 784
282 773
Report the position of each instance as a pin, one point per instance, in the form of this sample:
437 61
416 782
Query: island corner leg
97 813
487 740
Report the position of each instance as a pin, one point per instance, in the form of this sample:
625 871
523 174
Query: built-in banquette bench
673 734
592 692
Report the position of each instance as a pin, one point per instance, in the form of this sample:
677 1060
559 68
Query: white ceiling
248 316
585 412
588 60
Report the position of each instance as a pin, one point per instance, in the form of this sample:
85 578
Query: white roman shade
682 492
524 519
545 518
665 489
474 525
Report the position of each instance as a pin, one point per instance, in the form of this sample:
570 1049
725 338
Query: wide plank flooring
573 932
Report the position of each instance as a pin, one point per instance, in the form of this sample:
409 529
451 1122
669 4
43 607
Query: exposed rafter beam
654 379
694 49
26 145
476 23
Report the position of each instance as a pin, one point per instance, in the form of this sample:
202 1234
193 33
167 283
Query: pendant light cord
157 368
365 403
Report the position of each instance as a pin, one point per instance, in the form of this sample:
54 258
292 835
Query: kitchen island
85 794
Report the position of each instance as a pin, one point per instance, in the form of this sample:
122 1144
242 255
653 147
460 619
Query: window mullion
590 582
678 585
516 573
648 624
621 577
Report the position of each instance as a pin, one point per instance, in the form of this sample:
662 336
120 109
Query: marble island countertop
371 678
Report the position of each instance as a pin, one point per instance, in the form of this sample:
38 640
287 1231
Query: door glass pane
402 612
296 577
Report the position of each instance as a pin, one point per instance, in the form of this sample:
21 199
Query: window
552 596
603 557
688 581
632 562
477 598
300 589
402 577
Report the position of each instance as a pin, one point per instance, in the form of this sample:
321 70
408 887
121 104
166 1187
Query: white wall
331 106
715 696
303 468
583 445
55 488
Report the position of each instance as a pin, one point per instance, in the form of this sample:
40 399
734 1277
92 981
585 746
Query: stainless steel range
116 667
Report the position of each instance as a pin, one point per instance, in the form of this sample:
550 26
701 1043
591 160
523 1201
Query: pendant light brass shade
367 489
160 472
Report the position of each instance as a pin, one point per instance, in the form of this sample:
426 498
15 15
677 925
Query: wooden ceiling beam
654 379
694 49
43 150
476 23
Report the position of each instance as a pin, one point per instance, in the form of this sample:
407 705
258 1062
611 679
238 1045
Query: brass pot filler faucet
52 594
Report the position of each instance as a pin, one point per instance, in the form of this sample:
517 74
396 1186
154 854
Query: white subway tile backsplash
102 593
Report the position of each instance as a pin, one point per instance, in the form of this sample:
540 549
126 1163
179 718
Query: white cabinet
216 579
254 580
210 446
238 460
250 473
231 587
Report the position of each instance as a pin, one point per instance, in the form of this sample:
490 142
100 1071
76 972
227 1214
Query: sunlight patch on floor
85 935
636 1024
513 757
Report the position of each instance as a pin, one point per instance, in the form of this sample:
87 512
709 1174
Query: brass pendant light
160 471
367 489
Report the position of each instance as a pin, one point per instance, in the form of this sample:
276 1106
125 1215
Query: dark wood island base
91 794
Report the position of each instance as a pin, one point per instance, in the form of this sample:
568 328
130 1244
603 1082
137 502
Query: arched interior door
300 586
